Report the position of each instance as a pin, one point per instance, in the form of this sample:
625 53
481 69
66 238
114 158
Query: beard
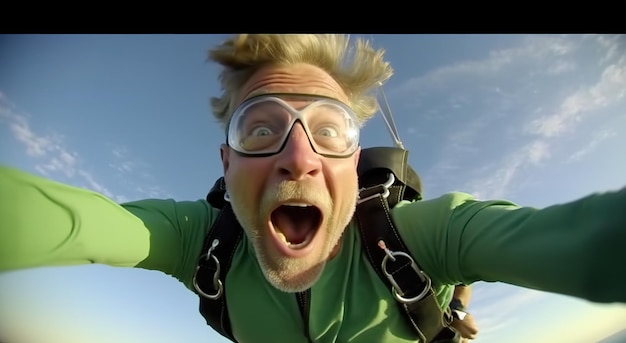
287 273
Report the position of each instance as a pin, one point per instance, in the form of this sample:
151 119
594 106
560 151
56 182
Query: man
292 110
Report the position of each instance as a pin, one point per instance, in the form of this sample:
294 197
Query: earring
226 196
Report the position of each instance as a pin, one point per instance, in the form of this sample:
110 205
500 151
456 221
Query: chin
288 274
292 282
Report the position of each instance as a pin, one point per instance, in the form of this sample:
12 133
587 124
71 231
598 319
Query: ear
224 155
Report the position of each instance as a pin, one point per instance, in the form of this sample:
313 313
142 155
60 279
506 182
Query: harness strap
411 287
229 232
376 163
210 278
384 247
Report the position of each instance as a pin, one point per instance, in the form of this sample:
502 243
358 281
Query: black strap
425 315
374 167
227 231
216 194
375 225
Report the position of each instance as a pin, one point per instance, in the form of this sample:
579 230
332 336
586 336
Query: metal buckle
217 283
397 292
385 187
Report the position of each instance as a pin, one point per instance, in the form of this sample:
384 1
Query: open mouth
296 223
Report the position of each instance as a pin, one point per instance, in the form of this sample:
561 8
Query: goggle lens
260 126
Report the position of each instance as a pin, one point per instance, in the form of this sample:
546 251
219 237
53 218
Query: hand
466 327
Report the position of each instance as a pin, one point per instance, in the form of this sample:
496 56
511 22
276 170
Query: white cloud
35 145
610 89
119 152
53 158
153 192
560 67
495 308
612 45
458 148
124 167
517 104
597 138
541 48
134 173
497 179
95 185
503 300
63 162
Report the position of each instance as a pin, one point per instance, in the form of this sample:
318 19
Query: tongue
294 222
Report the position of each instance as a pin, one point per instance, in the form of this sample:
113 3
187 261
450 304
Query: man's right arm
46 223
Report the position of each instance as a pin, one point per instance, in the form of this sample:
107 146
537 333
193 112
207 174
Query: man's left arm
570 248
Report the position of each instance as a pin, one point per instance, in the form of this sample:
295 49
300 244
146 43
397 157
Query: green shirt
571 248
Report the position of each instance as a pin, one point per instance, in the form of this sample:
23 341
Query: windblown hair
357 70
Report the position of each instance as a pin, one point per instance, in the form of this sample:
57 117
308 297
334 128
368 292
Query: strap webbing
228 231
425 315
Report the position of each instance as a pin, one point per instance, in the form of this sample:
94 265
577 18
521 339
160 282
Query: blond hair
357 70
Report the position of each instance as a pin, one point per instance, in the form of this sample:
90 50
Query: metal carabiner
397 292
217 283
385 187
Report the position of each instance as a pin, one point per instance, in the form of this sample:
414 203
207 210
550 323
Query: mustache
303 190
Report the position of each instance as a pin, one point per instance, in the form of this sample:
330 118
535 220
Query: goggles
260 126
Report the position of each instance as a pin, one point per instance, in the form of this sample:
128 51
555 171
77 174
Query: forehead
295 79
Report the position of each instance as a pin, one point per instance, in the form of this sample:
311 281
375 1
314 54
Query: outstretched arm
46 223
569 248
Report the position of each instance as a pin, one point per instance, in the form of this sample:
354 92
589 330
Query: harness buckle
217 283
385 190
396 289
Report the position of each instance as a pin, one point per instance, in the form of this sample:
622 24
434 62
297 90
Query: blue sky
538 119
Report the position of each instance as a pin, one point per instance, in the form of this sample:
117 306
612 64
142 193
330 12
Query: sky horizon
536 119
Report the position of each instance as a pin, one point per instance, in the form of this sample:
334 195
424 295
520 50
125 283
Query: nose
298 159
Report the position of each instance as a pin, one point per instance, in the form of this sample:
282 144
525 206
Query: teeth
297 204
282 237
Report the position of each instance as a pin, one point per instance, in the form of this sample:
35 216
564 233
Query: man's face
293 205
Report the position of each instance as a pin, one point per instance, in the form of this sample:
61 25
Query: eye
261 131
327 131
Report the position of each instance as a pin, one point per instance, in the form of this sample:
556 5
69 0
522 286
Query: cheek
342 178
246 175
